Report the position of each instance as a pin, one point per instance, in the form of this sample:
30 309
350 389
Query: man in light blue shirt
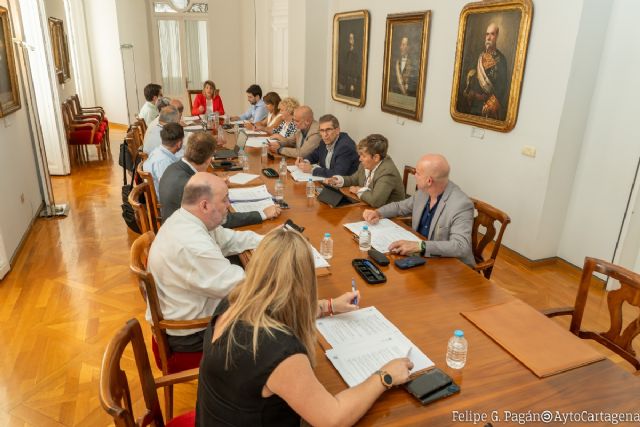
162 157
257 109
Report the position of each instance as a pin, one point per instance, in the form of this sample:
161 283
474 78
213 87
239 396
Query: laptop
334 197
226 153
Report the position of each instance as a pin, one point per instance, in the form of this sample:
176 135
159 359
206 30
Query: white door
180 44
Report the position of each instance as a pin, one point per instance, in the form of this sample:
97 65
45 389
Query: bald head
435 166
178 104
205 196
303 117
491 36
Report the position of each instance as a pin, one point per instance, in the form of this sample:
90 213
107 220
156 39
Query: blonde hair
278 294
289 104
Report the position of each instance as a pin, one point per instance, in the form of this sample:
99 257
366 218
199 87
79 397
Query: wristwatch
423 247
385 378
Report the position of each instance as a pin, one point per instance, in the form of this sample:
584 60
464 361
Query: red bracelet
330 308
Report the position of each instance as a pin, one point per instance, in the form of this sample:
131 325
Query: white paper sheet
258 205
192 128
318 259
383 233
242 178
236 122
190 118
300 176
363 341
255 141
249 194
254 132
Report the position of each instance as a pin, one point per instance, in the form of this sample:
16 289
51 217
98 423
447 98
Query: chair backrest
155 205
115 395
67 118
144 215
147 286
135 141
615 339
142 125
191 93
486 217
408 170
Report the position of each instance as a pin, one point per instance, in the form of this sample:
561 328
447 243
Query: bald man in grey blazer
440 212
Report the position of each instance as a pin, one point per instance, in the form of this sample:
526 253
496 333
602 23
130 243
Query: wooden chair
191 93
94 112
408 170
82 132
486 217
140 199
155 204
115 394
141 124
168 362
615 339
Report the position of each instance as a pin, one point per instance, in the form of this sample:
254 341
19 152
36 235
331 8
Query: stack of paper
254 132
251 206
318 259
363 341
242 178
300 176
255 141
383 233
249 194
187 119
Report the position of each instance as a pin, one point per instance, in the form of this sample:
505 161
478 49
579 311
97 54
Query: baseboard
118 126
25 235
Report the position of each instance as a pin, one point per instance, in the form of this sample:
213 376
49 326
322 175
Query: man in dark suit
337 156
196 159
440 212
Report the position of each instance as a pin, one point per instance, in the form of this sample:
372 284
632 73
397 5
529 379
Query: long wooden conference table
425 304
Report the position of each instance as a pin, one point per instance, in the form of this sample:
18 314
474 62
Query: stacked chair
85 127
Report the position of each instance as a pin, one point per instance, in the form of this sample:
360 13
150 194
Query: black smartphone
430 382
409 262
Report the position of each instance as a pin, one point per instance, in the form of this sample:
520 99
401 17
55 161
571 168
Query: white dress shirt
368 178
189 267
148 112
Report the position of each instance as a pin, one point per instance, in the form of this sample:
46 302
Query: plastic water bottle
279 190
243 159
326 246
457 350
264 152
282 169
311 189
364 239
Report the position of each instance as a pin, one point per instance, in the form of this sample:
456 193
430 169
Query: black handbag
128 214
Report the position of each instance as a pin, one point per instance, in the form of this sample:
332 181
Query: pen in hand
354 301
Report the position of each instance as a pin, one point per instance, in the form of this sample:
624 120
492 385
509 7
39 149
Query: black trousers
187 343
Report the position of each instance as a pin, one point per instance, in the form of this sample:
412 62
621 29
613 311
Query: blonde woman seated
377 180
259 349
287 128
208 101
274 118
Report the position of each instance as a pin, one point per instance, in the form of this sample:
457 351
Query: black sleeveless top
233 396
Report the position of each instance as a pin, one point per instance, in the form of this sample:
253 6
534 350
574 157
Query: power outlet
529 151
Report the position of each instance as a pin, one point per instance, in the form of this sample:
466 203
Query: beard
489 45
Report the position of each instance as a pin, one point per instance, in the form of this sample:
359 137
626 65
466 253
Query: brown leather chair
486 217
155 204
115 395
408 170
615 339
168 362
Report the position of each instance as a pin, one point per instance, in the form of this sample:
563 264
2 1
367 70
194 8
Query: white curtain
197 66
172 83
4 260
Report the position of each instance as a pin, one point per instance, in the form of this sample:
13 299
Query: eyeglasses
326 130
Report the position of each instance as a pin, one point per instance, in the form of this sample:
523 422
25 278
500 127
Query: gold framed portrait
60 50
9 91
406 45
349 59
490 57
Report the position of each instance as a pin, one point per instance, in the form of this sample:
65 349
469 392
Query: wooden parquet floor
70 288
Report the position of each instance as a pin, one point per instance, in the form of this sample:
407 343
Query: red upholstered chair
115 395
168 362
81 133
90 112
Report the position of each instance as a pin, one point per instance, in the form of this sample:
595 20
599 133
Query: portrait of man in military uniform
350 44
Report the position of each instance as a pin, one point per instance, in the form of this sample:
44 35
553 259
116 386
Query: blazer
172 184
201 101
295 147
450 231
385 187
345 159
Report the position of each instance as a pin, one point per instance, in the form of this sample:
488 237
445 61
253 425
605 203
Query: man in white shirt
149 110
170 113
187 258
162 157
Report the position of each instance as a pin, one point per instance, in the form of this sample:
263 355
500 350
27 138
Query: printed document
249 194
258 205
383 233
242 178
300 176
363 341
255 141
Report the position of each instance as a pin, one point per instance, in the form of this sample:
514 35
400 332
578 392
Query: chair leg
168 402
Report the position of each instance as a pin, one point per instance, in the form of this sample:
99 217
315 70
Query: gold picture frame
487 76
350 57
406 46
9 90
60 50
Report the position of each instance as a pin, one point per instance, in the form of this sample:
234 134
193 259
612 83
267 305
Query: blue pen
354 301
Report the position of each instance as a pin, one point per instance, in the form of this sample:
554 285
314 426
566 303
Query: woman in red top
208 101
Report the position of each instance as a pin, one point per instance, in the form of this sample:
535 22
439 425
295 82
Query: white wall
611 149
554 104
55 9
104 46
19 187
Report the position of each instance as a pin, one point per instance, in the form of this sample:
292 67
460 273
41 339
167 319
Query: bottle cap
458 333
309 179
365 227
327 234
